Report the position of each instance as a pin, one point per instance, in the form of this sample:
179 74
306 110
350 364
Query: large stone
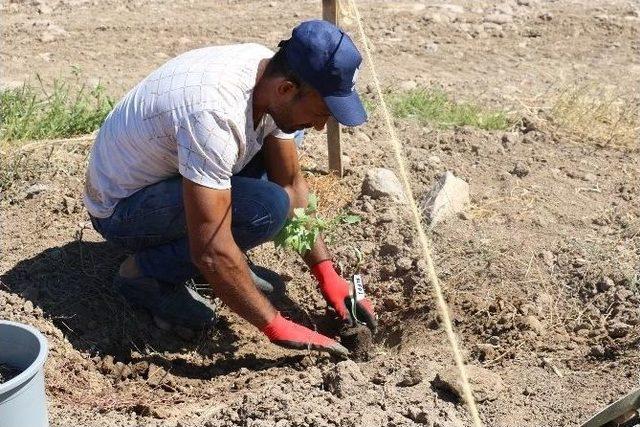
448 196
380 182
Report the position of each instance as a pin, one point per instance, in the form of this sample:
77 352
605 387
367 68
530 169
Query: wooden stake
330 13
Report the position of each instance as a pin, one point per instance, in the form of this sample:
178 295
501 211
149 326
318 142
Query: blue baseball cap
325 57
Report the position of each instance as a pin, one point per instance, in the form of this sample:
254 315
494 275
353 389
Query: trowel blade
622 406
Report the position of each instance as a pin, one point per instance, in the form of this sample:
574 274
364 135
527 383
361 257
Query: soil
540 273
358 341
7 373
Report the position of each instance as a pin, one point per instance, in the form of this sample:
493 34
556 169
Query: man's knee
280 207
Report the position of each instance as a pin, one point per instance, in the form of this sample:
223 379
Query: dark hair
279 67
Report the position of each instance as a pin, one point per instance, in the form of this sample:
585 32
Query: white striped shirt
192 116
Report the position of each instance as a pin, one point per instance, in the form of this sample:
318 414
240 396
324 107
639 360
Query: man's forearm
317 254
228 273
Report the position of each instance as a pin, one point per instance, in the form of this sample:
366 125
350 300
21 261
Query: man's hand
288 334
337 293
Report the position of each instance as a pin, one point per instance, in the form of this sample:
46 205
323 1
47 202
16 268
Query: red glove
337 292
288 334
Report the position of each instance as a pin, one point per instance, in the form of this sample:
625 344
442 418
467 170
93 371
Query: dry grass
332 192
595 115
39 161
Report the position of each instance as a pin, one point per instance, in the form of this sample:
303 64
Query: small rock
124 370
107 366
404 264
431 47
452 8
597 351
35 189
410 378
28 307
485 351
140 368
499 18
509 139
155 375
160 412
486 385
520 170
380 182
408 85
386 217
343 379
618 329
548 258
533 324
439 18
361 136
51 33
448 196
546 16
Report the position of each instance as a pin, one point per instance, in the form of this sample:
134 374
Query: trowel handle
357 294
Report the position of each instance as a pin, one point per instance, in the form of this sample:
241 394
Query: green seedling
302 230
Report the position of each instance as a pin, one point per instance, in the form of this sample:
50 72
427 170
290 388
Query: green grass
30 113
433 106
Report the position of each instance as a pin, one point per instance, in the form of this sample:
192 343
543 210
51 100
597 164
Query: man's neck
260 104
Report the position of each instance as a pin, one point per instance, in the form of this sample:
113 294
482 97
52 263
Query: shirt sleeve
277 133
207 149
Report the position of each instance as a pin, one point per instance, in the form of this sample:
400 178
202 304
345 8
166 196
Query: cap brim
347 110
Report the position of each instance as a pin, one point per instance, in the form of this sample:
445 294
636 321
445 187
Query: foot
268 281
176 305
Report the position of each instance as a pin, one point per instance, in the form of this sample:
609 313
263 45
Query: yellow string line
442 304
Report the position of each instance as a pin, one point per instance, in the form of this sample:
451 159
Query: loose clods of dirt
358 340
410 378
7 373
344 379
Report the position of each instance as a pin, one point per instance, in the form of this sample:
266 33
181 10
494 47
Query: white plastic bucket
22 399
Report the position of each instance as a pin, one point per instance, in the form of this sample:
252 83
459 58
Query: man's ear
287 88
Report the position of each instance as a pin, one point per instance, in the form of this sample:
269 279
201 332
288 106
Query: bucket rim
35 366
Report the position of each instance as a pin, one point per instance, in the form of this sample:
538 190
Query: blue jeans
151 222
